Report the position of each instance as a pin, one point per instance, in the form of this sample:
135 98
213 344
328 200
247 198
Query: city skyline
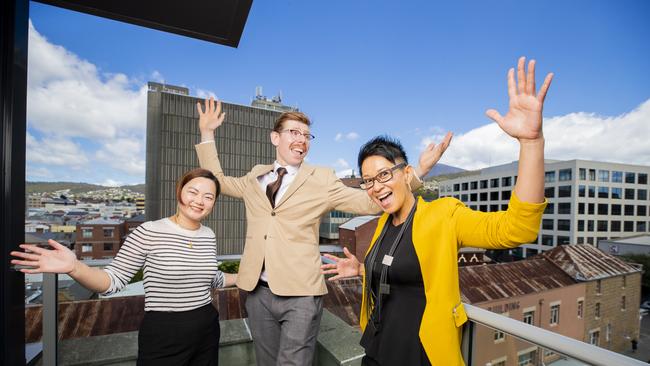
364 77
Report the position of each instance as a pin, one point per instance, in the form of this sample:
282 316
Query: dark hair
286 116
384 146
196 173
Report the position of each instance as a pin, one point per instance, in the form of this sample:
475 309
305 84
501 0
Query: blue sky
359 68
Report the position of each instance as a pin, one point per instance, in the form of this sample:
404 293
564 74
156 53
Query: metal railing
548 340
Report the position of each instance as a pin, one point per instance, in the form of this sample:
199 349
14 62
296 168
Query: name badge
388 260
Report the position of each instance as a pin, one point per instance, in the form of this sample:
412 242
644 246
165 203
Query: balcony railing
541 338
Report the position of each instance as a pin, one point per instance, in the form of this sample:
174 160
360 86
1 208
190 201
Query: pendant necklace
174 219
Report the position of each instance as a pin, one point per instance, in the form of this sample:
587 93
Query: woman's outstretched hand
59 259
344 267
524 118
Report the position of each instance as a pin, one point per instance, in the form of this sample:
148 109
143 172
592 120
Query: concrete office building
588 200
172 131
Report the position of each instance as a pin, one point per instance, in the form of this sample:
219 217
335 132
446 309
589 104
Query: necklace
174 219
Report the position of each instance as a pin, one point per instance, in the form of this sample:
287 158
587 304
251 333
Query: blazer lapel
303 173
256 172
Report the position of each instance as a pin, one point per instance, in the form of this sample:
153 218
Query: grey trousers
284 328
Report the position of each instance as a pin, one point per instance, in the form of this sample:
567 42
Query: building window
630 177
563 240
550 209
527 359
617 193
548 224
590 208
456 187
594 337
494 196
529 317
603 175
581 225
483 208
564 225
582 191
583 173
549 192
473 185
86 233
597 310
108 233
484 184
581 308
499 336
463 197
615 226
643 178
564 191
629 210
505 195
547 240
642 194
494 183
555 314
86 248
599 286
473 197
506 181
581 240
581 208
640 210
629 193
628 226
592 192
564 208
549 177
565 174
494 208
623 304
465 186
616 209
108 247
590 226
602 225
498 363
602 209
504 207
617 177
592 174
608 332
603 192
483 196
640 227
624 279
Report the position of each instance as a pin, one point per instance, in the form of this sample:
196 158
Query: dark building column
13 98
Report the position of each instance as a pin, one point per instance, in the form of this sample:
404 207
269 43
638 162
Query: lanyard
387 261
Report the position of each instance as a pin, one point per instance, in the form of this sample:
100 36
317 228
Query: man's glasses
381 177
297 133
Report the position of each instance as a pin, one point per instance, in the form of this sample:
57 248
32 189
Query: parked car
645 305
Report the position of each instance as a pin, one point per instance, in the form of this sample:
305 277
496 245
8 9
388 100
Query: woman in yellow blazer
411 308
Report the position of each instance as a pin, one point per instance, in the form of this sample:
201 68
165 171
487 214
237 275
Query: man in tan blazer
280 266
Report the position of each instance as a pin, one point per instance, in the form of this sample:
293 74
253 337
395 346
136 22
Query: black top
397 341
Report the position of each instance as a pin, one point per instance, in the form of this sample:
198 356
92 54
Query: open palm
211 116
59 259
343 267
524 118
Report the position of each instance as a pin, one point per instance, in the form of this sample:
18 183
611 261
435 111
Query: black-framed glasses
381 177
297 133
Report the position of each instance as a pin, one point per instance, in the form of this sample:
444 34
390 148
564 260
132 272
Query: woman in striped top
178 257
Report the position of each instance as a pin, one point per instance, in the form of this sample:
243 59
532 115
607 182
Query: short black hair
385 146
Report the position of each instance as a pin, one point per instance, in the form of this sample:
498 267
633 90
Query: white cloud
157 77
350 136
622 139
201 93
83 116
341 164
111 183
42 173
344 173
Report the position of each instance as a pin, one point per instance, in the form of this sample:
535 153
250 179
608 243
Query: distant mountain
74 187
442 169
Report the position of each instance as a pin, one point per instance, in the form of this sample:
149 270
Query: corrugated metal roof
499 281
584 262
355 222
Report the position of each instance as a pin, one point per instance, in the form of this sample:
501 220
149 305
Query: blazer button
264 237
272 213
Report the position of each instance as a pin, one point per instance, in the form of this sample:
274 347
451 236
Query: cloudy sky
358 69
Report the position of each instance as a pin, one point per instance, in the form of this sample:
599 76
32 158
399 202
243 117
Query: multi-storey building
330 222
172 131
577 291
588 200
99 238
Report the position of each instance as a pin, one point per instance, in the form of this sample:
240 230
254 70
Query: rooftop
584 262
355 222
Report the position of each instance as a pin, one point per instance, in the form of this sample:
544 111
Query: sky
413 70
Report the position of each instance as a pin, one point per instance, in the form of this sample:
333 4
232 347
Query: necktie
273 187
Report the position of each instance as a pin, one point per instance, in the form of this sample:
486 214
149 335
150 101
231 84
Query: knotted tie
273 187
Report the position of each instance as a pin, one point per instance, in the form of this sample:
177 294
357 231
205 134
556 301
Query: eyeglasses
382 177
297 133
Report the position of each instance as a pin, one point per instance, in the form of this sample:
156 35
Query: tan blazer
285 239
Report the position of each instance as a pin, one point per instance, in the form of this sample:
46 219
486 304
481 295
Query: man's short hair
287 116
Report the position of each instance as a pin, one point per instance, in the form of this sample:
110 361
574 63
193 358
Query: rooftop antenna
258 92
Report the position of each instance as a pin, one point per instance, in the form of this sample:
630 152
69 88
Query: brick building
356 234
99 238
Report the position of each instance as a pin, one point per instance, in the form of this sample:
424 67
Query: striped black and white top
177 275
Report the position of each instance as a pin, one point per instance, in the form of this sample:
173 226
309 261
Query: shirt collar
291 169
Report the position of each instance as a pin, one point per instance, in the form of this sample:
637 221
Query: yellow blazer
440 228
285 239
